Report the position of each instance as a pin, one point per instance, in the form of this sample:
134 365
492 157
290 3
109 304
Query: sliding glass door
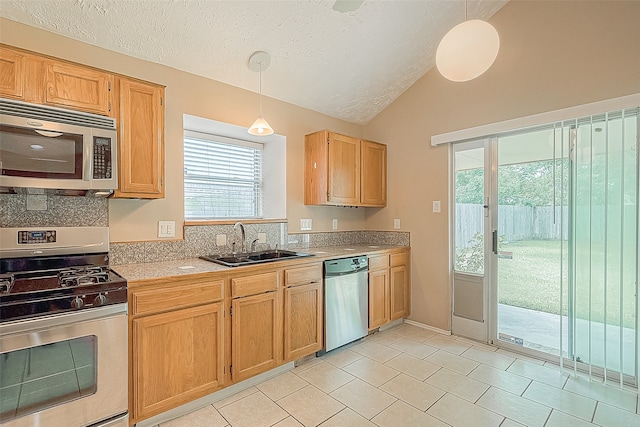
530 240
545 237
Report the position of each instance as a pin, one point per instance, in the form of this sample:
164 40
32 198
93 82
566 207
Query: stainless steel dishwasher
346 300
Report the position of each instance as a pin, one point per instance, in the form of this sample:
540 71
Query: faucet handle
233 248
253 245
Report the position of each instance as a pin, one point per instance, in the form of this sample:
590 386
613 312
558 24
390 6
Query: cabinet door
303 320
141 140
78 87
344 170
378 298
177 357
373 190
255 334
399 282
11 74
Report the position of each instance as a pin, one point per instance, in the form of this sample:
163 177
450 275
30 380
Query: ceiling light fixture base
259 61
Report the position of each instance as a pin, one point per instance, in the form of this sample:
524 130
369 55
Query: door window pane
469 211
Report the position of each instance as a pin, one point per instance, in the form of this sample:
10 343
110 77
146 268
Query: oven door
69 369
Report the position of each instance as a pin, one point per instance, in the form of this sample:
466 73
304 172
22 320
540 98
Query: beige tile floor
408 376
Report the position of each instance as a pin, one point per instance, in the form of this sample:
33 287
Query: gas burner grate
80 276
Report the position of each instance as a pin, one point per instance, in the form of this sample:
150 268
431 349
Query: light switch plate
166 229
221 239
334 224
262 237
396 223
436 206
305 224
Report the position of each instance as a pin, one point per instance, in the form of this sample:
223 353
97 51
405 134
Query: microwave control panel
102 167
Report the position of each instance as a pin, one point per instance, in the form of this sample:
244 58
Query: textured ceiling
348 65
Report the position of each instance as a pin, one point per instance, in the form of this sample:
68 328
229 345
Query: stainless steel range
63 329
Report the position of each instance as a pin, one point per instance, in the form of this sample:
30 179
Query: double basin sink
251 258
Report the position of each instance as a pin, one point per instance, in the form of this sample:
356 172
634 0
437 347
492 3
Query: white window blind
222 177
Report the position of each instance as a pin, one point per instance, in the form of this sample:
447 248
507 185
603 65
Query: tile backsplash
61 211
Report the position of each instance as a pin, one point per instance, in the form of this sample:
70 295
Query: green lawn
531 279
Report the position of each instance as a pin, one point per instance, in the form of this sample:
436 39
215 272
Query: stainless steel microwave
54 148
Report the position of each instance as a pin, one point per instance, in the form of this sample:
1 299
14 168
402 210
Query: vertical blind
222 177
603 244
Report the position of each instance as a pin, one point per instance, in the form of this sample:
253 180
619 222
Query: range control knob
100 300
77 303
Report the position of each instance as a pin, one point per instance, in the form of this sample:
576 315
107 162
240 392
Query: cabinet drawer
157 300
303 275
256 284
399 259
378 262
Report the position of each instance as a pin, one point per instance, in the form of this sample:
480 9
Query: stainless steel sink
249 258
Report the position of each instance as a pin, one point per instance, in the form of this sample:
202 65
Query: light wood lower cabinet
178 357
378 298
400 287
255 335
303 311
389 288
176 342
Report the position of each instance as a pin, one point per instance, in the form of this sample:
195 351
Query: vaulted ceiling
345 63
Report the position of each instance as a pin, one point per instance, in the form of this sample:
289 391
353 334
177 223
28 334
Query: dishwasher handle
346 273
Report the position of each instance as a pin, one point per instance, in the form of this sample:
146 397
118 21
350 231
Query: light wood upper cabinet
141 140
12 74
21 75
303 312
344 171
78 87
177 357
373 174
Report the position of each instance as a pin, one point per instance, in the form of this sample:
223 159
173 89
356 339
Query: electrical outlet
262 237
396 223
334 224
305 224
221 240
436 206
166 229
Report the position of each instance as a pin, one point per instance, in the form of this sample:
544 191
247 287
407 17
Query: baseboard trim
423 326
192 406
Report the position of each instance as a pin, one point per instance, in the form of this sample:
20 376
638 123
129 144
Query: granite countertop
181 267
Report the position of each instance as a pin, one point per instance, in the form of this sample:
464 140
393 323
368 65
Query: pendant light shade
260 127
467 50
259 61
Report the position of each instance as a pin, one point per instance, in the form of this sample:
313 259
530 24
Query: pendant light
259 61
467 50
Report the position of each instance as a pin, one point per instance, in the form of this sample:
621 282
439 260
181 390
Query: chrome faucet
253 245
243 247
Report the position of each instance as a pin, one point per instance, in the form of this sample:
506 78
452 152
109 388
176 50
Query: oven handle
47 322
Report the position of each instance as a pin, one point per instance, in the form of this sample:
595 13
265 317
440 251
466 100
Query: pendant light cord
260 63
465 11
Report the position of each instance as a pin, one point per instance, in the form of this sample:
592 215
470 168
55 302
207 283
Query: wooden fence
514 222
538 223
